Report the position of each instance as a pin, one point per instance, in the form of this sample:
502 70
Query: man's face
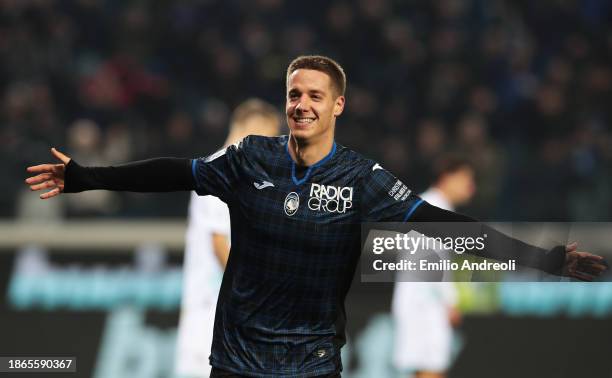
312 105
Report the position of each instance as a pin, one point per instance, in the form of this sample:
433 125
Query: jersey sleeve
219 173
385 198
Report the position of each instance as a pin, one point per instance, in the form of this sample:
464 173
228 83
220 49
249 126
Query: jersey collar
309 170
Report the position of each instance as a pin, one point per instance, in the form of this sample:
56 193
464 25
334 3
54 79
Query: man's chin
301 133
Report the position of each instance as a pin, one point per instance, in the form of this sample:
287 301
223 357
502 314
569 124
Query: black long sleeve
498 245
152 175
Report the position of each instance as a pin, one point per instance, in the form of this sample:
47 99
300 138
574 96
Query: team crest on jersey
292 203
330 199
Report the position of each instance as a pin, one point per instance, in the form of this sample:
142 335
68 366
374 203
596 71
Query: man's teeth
304 120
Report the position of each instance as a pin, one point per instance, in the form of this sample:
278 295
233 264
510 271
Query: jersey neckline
310 168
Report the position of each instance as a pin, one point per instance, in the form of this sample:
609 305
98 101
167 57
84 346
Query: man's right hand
49 176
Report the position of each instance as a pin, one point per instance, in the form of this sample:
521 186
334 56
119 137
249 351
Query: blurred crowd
522 88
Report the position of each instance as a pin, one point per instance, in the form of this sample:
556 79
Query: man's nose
302 105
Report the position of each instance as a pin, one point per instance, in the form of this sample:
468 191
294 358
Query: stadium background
522 88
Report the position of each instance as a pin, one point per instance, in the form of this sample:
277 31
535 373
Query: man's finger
589 256
591 269
51 193
41 168
590 263
60 156
45 185
582 276
38 178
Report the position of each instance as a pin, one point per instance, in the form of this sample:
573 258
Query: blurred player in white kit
425 312
207 249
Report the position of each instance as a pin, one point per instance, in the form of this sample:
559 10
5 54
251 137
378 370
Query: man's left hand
582 265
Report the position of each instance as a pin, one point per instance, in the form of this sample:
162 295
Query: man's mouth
303 120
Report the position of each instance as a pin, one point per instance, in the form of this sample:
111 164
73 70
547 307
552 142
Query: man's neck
306 154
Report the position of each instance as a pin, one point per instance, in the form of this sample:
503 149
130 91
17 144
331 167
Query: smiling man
296 203
315 98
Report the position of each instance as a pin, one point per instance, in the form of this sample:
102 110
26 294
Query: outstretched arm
387 199
153 175
561 260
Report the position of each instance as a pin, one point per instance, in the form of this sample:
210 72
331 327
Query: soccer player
295 205
207 249
424 312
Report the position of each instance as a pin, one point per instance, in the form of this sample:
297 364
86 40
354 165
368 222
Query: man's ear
339 105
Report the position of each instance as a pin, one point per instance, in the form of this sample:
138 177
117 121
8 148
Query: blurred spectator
425 312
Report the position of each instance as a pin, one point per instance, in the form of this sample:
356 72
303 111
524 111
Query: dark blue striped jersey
295 245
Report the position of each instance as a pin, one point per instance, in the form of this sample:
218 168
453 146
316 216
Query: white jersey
202 274
423 333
